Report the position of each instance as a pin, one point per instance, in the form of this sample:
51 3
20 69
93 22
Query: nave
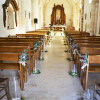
54 82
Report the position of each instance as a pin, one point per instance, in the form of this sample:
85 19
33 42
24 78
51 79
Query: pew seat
11 58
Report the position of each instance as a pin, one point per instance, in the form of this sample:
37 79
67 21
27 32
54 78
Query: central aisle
54 82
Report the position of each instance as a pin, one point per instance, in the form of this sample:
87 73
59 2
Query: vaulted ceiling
71 2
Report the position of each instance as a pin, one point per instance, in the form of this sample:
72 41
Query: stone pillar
94 17
40 16
22 16
76 16
28 15
32 14
98 22
36 12
44 9
82 15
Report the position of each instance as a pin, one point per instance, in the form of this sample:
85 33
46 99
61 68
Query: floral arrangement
23 58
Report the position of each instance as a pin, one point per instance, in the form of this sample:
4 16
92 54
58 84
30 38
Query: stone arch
15 8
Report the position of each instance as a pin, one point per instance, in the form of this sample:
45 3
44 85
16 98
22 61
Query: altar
58 27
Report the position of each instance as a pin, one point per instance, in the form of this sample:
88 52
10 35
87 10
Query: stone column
40 16
36 12
76 16
94 17
22 16
32 14
44 8
82 15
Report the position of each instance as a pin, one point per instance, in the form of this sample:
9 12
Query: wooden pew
33 35
30 44
13 66
14 49
92 59
92 46
18 42
40 32
30 35
90 51
87 42
79 45
22 39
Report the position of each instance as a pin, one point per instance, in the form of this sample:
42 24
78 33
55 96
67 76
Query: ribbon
22 59
84 65
36 44
74 51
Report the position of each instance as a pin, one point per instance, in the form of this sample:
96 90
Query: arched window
10 18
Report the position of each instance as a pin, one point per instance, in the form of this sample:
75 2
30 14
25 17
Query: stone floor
54 82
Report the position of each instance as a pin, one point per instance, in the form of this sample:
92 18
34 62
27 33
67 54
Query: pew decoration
45 48
36 44
41 40
23 58
65 43
41 57
48 33
35 70
16 95
83 59
23 99
73 72
73 45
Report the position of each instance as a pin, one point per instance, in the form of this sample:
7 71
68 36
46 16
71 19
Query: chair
97 90
4 86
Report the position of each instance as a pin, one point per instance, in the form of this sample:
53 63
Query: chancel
49 49
58 16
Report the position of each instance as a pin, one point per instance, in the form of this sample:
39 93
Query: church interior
49 50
